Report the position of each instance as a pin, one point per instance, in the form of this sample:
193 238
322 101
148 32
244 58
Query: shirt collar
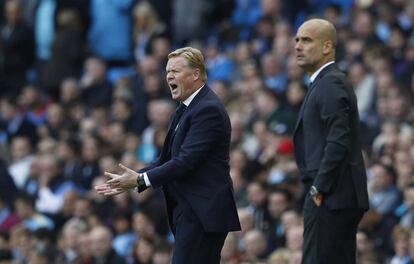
191 97
315 74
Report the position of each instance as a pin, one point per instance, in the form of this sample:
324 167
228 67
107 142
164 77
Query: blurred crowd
82 88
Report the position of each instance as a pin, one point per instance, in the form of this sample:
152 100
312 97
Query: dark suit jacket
17 48
8 190
326 140
198 170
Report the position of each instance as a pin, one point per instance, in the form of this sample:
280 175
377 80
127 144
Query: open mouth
173 86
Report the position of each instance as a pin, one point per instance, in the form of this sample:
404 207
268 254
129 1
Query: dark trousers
192 244
329 235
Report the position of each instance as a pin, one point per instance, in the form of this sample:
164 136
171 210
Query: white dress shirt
315 74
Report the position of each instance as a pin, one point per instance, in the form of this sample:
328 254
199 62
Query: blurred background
82 88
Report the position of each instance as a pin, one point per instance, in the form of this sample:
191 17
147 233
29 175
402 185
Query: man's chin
300 62
175 97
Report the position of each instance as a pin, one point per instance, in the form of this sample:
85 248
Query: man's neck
314 68
192 96
316 73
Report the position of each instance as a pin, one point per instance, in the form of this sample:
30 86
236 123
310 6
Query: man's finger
102 187
113 192
125 168
316 201
111 175
103 190
114 184
112 181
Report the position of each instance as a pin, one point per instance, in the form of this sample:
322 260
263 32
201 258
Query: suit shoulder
211 100
211 106
334 80
332 86
333 75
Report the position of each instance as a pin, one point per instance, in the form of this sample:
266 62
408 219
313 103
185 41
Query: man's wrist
314 191
141 181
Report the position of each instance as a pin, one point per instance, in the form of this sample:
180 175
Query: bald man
328 152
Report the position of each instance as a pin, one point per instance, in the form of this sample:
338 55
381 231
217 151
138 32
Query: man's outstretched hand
118 183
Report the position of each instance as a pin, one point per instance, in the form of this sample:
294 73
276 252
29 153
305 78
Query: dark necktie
303 103
171 132
178 113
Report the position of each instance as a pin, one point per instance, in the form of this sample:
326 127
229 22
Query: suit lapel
167 141
167 147
310 90
303 107
171 129
203 92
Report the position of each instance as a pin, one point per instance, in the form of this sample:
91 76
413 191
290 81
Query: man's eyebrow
303 38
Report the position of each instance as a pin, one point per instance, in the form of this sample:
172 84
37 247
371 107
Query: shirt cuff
146 179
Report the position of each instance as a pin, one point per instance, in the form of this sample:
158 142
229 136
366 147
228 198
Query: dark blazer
17 50
8 190
326 139
198 171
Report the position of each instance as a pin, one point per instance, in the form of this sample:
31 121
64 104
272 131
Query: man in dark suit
16 49
327 150
193 168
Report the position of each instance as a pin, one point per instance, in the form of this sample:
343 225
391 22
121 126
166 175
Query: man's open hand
118 183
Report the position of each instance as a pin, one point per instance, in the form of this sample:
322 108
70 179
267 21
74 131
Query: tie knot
181 108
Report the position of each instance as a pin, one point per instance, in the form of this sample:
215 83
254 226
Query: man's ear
196 74
327 47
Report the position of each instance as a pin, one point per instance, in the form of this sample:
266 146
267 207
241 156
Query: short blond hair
194 58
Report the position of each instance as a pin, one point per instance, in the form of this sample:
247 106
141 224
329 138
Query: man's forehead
306 30
177 61
308 35
316 29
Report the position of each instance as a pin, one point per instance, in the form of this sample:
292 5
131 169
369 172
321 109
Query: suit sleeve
334 108
151 165
206 128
